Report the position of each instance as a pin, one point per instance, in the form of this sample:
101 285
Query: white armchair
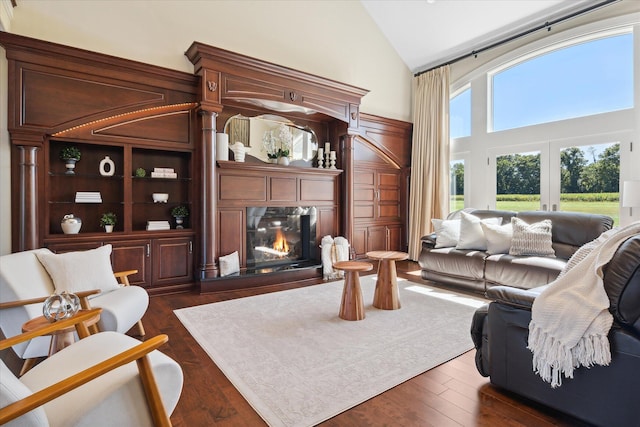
93 382
24 277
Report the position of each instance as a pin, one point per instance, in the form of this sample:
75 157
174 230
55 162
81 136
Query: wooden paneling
312 190
283 189
172 260
133 255
231 231
234 187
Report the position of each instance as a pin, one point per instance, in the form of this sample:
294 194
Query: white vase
222 146
108 228
284 161
239 150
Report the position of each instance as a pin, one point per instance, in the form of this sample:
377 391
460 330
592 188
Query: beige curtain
429 190
239 131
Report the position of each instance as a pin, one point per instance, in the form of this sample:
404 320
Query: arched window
585 78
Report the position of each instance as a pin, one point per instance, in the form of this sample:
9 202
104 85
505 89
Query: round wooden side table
61 338
386 296
352 306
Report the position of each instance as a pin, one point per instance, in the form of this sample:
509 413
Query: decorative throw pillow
229 264
531 239
447 232
471 234
80 270
498 237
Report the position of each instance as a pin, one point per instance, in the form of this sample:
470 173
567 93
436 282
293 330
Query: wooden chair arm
76 320
123 276
137 353
11 304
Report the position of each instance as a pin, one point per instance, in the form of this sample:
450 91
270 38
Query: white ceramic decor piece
239 150
107 167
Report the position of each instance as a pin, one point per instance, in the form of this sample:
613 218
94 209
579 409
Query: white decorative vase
283 161
239 150
107 167
71 224
108 228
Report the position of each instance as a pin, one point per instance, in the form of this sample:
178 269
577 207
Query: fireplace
280 237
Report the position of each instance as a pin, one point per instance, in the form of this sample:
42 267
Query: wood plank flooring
452 394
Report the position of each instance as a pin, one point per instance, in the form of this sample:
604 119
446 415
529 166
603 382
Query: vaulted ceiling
426 33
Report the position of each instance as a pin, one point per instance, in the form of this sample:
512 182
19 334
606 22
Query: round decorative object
141 173
283 161
60 306
107 167
71 224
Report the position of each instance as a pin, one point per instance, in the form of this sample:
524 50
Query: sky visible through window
579 80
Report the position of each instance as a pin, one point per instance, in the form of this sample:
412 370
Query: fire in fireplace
280 235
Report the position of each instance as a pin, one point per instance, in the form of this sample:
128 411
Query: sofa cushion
498 237
455 262
471 234
531 239
81 270
447 232
523 272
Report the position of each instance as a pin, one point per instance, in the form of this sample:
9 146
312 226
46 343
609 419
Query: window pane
456 181
580 80
590 179
460 115
518 182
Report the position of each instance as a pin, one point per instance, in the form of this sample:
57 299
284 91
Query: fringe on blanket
333 250
553 359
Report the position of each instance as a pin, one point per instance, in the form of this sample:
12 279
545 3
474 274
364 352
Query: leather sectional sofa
478 270
600 395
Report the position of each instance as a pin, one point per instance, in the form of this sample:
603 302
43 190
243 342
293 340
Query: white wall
333 39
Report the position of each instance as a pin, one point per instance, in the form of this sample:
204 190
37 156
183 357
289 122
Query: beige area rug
297 363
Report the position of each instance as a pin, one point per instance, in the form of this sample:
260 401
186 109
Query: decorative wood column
346 153
25 235
207 267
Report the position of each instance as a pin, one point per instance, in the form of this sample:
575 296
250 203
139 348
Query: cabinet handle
148 250
190 246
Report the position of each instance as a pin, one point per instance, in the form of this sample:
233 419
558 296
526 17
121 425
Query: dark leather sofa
478 271
603 396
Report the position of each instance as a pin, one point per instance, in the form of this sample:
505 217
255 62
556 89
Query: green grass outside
609 208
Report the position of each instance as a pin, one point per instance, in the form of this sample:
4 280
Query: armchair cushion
115 398
81 270
12 390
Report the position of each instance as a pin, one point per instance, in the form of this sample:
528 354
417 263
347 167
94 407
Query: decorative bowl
160 197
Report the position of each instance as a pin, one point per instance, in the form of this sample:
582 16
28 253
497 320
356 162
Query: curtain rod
546 25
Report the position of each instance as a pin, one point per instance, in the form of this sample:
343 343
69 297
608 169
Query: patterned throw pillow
531 239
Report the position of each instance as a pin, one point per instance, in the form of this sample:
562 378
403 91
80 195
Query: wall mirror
270 136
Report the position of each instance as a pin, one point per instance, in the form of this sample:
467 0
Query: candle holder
332 160
320 158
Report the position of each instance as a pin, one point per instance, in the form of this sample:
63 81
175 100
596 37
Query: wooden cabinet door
172 260
133 255
231 232
377 239
394 238
359 241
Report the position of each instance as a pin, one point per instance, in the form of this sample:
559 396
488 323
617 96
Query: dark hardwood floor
452 394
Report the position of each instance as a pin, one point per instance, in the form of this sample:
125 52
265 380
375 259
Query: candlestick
332 155
320 158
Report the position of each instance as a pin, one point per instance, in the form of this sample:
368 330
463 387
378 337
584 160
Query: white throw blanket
333 251
570 319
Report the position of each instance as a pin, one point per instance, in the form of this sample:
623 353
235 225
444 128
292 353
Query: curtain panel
429 190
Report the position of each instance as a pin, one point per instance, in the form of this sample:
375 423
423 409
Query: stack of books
88 197
158 225
163 173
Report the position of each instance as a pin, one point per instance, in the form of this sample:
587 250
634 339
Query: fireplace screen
280 235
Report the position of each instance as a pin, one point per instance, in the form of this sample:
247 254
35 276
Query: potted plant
108 220
70 154
179 213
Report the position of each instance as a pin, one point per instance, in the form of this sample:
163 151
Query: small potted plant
70 154
179 213
108 220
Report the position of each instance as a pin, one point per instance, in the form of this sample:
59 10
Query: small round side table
386 296
352 306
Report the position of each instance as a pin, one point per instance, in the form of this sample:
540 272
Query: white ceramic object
160 197
70 224
239 150
107 167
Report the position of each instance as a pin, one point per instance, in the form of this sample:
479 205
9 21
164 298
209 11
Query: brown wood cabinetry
137 115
